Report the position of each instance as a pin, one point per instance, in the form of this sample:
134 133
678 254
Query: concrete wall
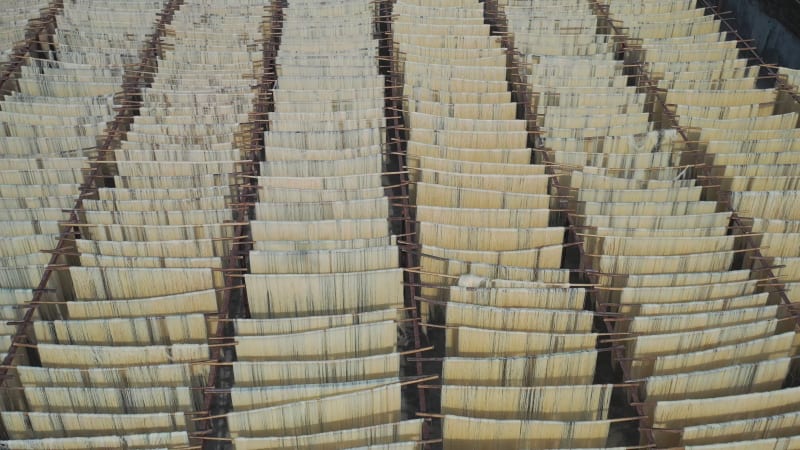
758 19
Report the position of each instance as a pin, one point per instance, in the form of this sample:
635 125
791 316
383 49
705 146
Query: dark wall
774 24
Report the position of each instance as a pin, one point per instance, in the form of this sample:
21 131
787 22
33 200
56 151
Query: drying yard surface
395 225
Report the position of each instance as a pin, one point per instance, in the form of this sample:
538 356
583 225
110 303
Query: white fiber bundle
485 434
646 208
470 139
262 327
194 217
766 444
109 400
493 156
486 218
329 244
324 261
321 230
681 413
149 205
147 182
351 341
631 195
693 306
633 246
643 232
175 439
543 403
435 122
728 98
657 222
742 430
465 167
124 284
142 331
544 297
519 184
770 347
455 197
264 397
125 194
55 355
277 296
285 373
478 342
523 274
374 435
519 319
324 140
200 301
360 409
89 260
293 154
684 293
336 210
59 425
323 168
544 258
173 375
544 370
739 379
504 110
683 279
113 232
686 342
347 182
640 265
488 239
692 322
767 204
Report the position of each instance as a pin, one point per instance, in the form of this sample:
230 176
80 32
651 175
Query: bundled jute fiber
55 355
284 373
263 327
683 293
333 244
331 343
489 433
319 230
519 319
681 413
488 239
141 331
692 341
541 297
38 425
487 218
692 306
121 284
739 379
200 301
765 444
168 375
333 261
109 400
751 351
292 295
476 342
544 370
175 439
360 409
262 397
374 435
742 430
542 403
